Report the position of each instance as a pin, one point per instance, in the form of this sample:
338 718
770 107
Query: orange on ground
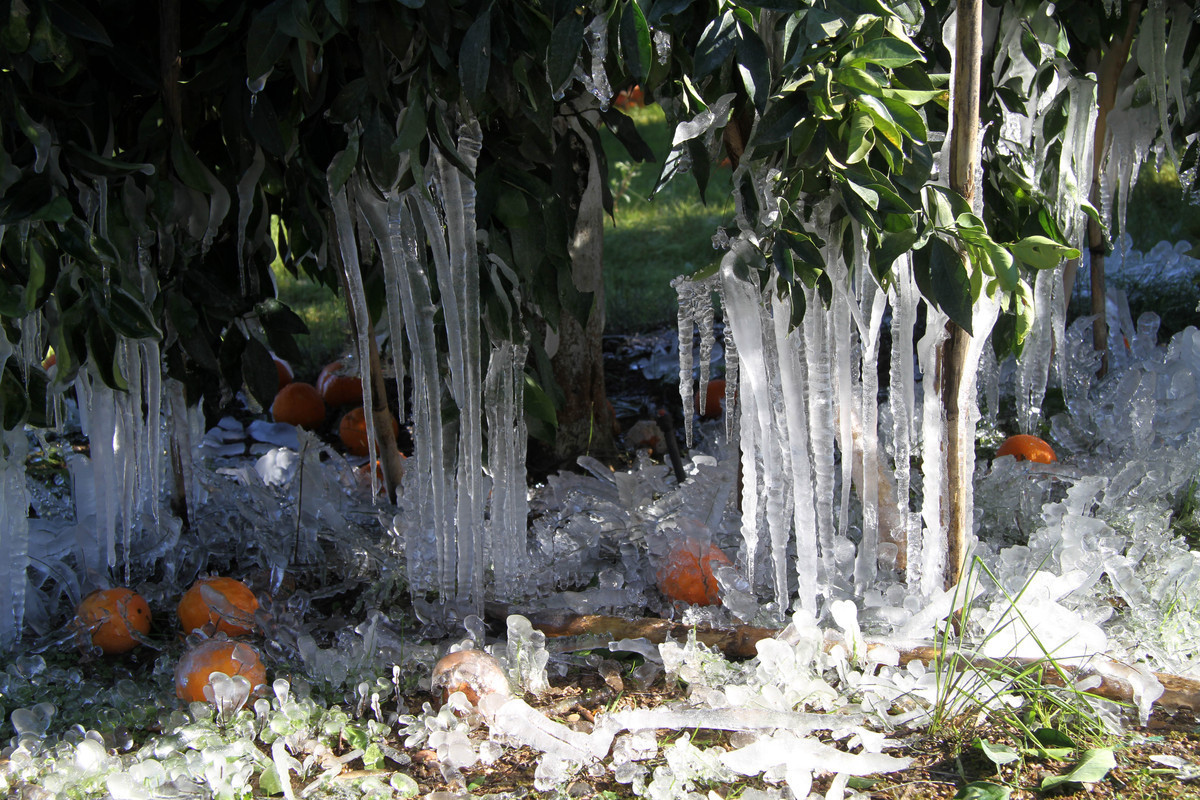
339 388
1023 446
283 372
714 400
353 430
299 404
686 572
111 615
217 655
225 603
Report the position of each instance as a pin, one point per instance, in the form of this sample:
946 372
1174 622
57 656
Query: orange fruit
686 572
1023 446
50 360
299 404
111 616
714 400
337 387
224 602
217 655
283 371
473 672
353 430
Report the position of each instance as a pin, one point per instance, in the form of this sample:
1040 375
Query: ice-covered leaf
983 790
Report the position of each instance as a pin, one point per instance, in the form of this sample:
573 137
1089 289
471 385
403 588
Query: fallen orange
283 372
299 404
353 430
686 572
714 400
217 655
224 603
1022 446
338 387
110 616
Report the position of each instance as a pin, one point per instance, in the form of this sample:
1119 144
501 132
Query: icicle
430 537
793 378
97 407
1075 160
1033 367
461 282
14 531
902 397
1152 57
348 245
866 565
841 339
686 328
508 525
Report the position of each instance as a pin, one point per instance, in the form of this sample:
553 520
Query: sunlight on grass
325 315
655 239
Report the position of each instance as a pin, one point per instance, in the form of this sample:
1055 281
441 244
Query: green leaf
1052 737
908 118
982 790
75 20
950 282
343 164
1041 252
187 166
884 52
383 159
14 404
1093 766
57 210
372 756
716 45
127 315
475 59
538 404
882 117
753 66
637 49
998 754
259 374
859 142
565 43
295 21
339 11
100 165
783 113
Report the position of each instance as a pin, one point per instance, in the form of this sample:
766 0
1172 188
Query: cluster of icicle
428 247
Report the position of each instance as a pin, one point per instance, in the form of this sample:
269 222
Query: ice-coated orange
225 603
299 404
217 655
686 572
353 430
111 616
1023 446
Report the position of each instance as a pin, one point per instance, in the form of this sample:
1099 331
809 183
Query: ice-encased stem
902 397
933 448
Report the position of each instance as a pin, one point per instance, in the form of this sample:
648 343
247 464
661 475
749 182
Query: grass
325 315
649 241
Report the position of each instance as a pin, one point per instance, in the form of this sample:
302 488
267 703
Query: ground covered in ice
1085 567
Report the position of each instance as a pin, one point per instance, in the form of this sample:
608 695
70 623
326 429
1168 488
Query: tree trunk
1108 76
585 422
964 163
